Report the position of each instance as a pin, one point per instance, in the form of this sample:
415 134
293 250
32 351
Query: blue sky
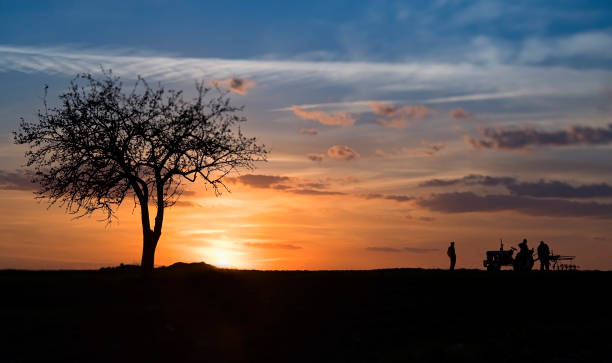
417 91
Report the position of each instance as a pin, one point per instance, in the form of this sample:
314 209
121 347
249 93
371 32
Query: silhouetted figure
523 246
524 258
544 256
451 254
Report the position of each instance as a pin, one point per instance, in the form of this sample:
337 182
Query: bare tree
102 145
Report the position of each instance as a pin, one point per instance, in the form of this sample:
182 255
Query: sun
223 261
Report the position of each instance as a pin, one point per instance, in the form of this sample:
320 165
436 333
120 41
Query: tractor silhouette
523 261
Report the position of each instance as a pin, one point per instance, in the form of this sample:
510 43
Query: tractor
523 261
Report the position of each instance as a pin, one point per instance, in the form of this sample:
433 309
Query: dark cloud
272 245
464 202
472 179
315 157
395 197
557 189
314 192
540 189
309 132
431 149
342 152
258 181
398 250
235 84
420 250
16 180
383 249
513 139
421 218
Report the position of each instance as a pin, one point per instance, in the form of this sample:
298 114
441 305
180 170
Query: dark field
197 313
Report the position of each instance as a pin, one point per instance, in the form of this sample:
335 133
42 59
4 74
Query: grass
194 312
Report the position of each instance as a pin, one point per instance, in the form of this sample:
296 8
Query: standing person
451 254
544 256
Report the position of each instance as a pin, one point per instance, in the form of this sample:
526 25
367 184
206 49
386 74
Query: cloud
589 45
235 84
398 250
420 250
336 119
186 203
540 189
258 181
421 218
398 117
431 149
315 157
428 149
312 132
460 114
472 179
513 139
349 179
558 189
272 245
395 197
451 78
314 192
16 180
383 249
464 202
342 152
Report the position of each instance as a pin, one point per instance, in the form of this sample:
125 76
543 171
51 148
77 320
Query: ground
198 313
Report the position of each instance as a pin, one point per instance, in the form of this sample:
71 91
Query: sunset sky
394 127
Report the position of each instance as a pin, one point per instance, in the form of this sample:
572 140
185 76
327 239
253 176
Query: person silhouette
451 254
544 256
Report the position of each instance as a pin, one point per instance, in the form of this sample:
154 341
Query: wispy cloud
483 82
311 132
272 245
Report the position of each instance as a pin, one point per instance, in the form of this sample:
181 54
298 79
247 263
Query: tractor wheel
493 267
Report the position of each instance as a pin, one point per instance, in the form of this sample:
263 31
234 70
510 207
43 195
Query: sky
394 127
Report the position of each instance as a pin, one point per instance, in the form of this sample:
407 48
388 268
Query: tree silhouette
102 145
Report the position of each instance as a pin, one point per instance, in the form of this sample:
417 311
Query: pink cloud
398 117
431 149
460 114
312 132
235 84
342 152
315 157
336 119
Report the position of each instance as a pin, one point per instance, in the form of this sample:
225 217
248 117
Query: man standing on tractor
544 256
451 254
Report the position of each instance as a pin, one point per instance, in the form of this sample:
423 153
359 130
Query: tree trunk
149 243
